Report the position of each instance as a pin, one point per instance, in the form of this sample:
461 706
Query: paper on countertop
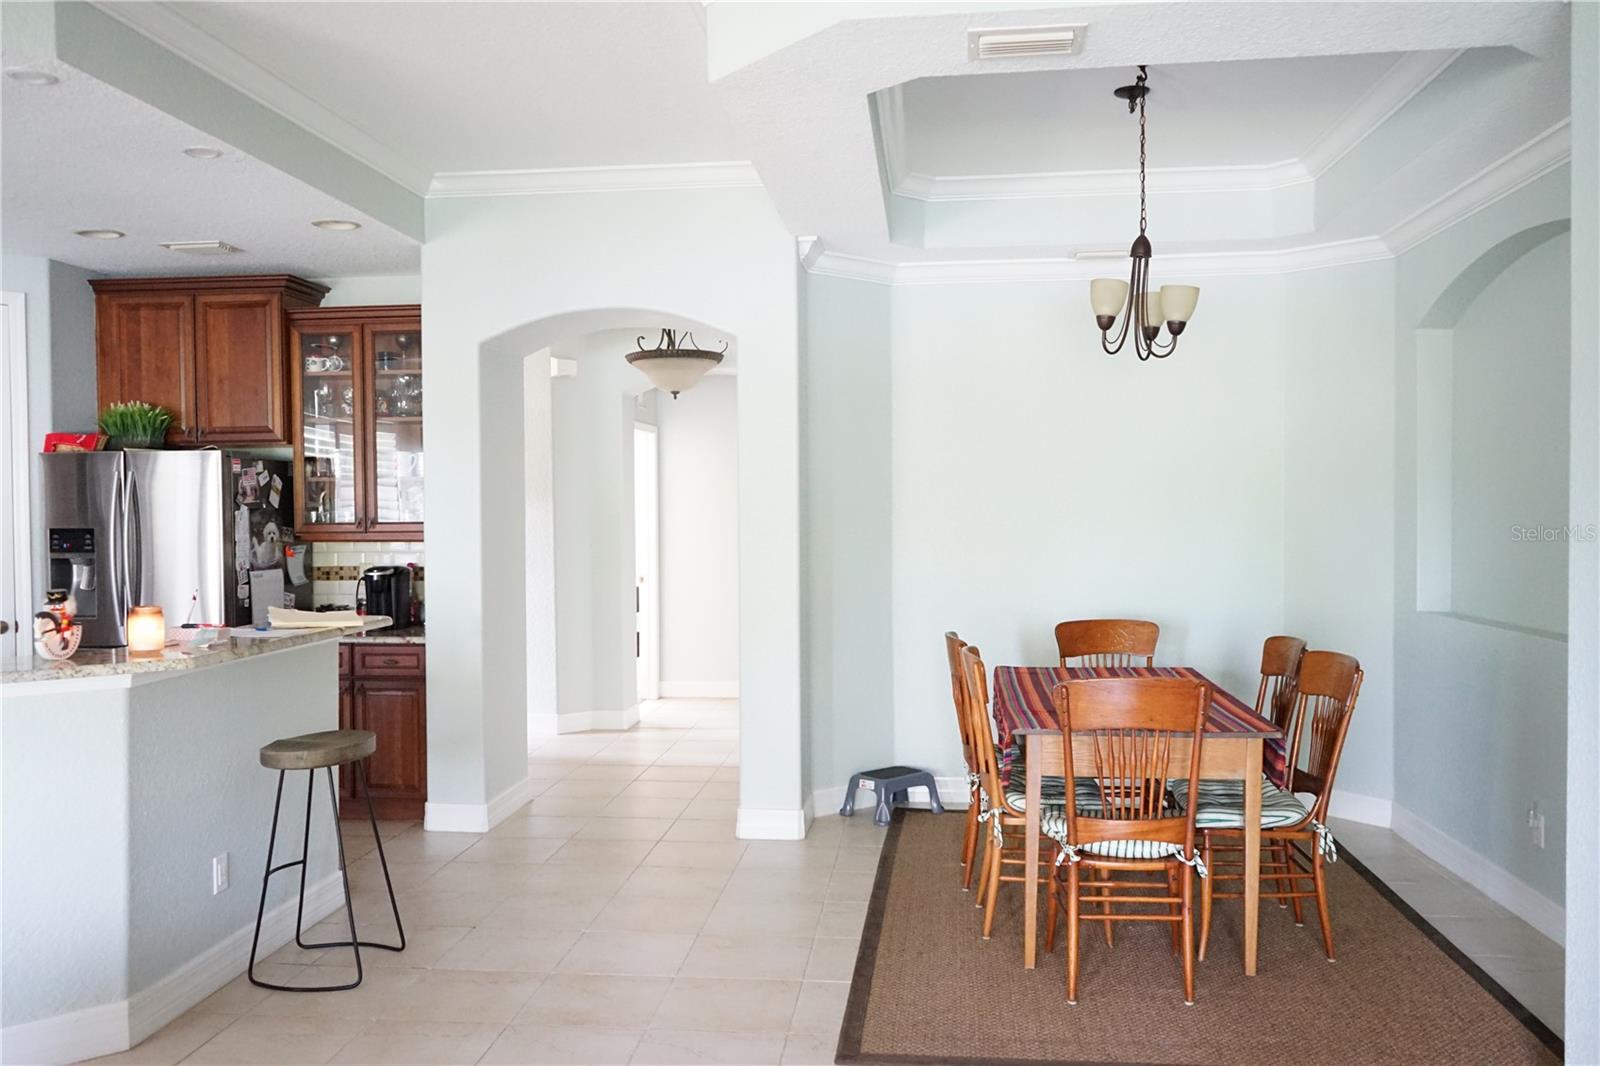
285 618
266 588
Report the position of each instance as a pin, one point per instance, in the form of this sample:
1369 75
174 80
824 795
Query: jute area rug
928 989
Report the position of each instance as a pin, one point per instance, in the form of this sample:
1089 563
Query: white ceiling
1508 87
1060 121
494 86
1352 124
82 155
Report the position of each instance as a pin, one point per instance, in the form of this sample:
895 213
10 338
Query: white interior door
16 536
646 550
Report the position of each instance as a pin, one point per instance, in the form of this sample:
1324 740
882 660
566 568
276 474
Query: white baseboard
113 1027
83 1034
507 802
551 725
763 823
476 817
699 690
1499 884
1358 808
953 793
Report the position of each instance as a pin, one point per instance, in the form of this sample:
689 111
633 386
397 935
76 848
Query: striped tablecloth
1024 702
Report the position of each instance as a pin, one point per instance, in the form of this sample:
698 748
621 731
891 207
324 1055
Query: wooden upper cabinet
239 367
356 399
210 350
145 345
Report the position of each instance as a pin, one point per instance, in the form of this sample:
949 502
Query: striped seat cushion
1053 823
1052 792
1221 806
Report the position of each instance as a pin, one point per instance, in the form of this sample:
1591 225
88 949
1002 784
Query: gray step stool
891 784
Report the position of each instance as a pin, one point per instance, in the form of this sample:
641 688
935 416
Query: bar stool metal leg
355 943
394 908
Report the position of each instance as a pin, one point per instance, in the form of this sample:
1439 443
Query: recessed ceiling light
100 234
336 223
203 152
32 77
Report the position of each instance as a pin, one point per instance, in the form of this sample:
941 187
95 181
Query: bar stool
311 752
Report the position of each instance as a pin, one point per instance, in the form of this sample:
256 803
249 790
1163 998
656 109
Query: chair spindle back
958 694
1280 671
1107 642
1122 733
1329 684
979 722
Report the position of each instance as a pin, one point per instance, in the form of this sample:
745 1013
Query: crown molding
1067 268
1394 90
631 178
1266 177
1541 155
809 249
1402 82
1546 152
163 24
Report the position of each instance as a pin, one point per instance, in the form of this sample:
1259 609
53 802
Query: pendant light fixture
675 363
1132 300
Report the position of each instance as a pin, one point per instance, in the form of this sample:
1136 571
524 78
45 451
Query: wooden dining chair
1006 813
1295 838
1280 669
1107 642
1122 734
958 694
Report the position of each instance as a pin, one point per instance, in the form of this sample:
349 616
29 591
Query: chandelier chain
1142 216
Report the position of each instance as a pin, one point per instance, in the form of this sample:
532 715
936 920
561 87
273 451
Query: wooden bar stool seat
311 751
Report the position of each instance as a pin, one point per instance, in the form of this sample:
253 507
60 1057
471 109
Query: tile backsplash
335 566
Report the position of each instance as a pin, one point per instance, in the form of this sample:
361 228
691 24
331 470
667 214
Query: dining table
1238 745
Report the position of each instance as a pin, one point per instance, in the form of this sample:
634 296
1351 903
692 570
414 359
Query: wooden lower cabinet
375 695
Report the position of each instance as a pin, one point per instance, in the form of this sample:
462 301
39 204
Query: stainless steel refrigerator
182 530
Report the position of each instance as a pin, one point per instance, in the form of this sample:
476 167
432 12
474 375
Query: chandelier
1132 300
675 363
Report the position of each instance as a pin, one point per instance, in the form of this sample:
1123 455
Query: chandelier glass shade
675 363
1140 310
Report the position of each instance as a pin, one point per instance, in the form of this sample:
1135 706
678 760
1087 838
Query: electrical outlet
219 873
1536 825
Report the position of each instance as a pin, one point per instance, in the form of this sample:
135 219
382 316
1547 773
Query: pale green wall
846 533
1480 709
1583 613
1511 356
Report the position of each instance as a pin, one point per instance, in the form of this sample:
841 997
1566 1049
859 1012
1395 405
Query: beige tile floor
1524 961
613 919
616 919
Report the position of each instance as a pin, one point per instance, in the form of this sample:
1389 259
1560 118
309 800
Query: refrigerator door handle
119 547
135 540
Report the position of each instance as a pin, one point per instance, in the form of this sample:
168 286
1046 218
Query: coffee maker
385 590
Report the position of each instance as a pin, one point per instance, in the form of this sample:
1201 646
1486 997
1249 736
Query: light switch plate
219 873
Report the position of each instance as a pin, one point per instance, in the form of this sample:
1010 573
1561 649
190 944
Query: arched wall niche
1492 372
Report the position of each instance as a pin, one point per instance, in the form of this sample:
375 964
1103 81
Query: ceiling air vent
201 247
1020 42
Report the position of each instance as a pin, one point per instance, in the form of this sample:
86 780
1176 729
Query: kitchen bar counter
401 635
115 662
123 787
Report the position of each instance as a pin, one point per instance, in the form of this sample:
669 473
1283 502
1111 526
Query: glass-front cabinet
358 422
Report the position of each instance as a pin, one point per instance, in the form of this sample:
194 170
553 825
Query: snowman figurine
55 634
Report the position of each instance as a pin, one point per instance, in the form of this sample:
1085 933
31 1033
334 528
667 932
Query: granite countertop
401 635
114 662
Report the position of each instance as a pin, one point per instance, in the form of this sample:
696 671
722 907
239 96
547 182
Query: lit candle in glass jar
147 632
